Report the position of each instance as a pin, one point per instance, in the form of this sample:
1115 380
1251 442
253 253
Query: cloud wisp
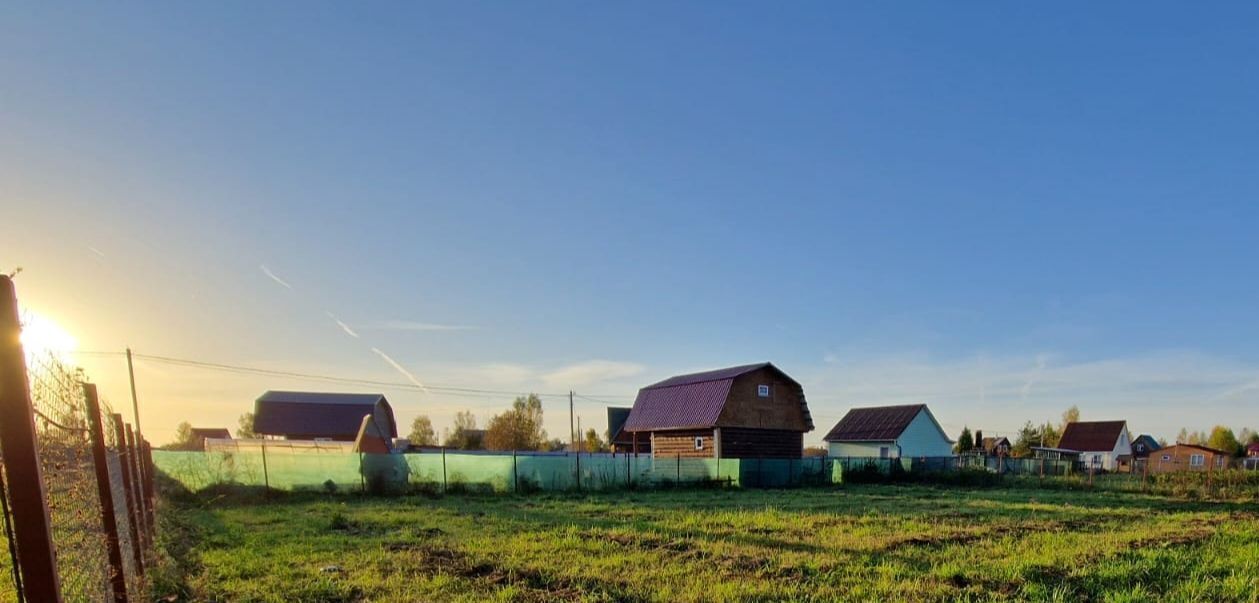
399 368
344 327
590 372
272 276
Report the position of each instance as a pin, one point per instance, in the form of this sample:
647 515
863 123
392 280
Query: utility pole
572 438
135 404
581 437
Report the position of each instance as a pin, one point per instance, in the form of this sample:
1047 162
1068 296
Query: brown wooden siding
682 443
742 443
780 411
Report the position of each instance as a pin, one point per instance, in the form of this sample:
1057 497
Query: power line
231 368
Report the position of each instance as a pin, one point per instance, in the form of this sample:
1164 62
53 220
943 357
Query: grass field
876 542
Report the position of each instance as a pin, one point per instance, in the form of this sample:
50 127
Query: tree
1051 435
183 438
1253 439
554 445
814 451
245 426
965 443
1222 438
1069 416
594 443
422 433
1183 436
464 436
519 428
1247 437
1028 436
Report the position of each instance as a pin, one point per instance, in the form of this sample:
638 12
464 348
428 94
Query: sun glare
43 336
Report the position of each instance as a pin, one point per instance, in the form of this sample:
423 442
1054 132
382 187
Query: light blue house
889 432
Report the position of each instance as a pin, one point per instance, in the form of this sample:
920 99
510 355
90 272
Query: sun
42 336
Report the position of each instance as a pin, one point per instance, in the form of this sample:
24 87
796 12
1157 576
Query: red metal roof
678 407
875 424
1091 436
724 374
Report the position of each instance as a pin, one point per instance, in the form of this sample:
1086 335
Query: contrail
344 327
272 276
398 367
96 251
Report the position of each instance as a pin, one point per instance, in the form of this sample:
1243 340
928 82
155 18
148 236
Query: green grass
875 542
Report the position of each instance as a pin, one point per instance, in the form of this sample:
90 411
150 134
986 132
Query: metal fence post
117 575
445 485
578 470
32 526
134 460
266 477
679 468
121 437
515 474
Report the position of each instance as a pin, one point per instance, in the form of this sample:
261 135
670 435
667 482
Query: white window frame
699 442
1197 460
762 391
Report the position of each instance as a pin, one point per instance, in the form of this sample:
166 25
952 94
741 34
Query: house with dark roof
619 440
750 411
320 415
889 432
1143 445
200 434
1101 444
994 446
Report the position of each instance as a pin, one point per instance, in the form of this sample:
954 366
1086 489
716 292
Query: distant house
998 446
1252 450
750 411
199 435
889 432
1101 444
1188 457
619 440
1143 446
1252 456
320 416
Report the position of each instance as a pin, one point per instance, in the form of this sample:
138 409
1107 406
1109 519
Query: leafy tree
814 451
464 435
594 443
1069 416
1222 438
1253 439
519 428
245 426
1050 435
183 438
422 433
1182 437
1029 435
965 443
1247 437
554 445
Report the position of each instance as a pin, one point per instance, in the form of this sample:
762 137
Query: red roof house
749 411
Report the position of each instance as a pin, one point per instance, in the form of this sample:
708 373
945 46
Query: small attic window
699 442
762 391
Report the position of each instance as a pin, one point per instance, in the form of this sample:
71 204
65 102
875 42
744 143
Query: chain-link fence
89 498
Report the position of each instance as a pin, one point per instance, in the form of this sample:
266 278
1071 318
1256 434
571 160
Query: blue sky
998 209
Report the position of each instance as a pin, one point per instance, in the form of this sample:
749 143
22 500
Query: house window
884 452
762 391
1197 460
699 442
1167 457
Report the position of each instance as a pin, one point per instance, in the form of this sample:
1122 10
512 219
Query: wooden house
1188 457
750 411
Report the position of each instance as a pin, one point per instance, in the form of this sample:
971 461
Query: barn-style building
320 416
750 411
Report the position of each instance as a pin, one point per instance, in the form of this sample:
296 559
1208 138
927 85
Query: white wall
860 449
923 438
